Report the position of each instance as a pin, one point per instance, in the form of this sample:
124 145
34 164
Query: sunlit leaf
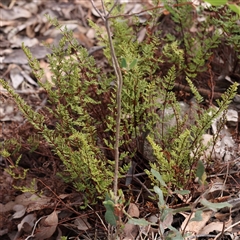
123 63
235 8
214 206
197 217
157 175
182 192
109 215
216 2
133 64
160 195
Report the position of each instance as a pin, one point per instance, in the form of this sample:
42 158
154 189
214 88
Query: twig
60 200
202 91
191 213
82 16
99 218
143 185
222 232
201 236
119 82
98 12
94 49
114 5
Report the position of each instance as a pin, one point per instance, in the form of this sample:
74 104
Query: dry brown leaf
83 39
8 111
47 227
3 232
19 211
7 207
32 7
16 76
130 231
91 33
7 23
167 221
19 57
196 226
217 226
17 41
213 226
14 13
222 216
28 78
133 210
27 223
47 72
154 218
82 223
84 3
33 202
141 35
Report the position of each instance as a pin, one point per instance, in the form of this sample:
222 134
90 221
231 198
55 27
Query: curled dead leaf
133 210
27 223
82 223
131 230
19 211
47 227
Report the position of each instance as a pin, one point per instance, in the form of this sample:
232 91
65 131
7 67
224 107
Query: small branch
144 186
202 91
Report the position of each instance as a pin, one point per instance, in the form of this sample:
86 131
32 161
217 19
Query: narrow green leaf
160 195
175 235
216 2
197 217
110 218
133 64
214 206
123 63
182 192
140 222
235 8
200 171
109 215
157 175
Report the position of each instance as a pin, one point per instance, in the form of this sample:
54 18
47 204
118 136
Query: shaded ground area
56 202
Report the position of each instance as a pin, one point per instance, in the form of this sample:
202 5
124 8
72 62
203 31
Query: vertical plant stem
119 83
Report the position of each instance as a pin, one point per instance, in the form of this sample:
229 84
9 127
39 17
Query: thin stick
119 83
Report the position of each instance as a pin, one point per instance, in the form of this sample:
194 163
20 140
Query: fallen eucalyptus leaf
47 227
19 211
27 223
133 210
82 224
